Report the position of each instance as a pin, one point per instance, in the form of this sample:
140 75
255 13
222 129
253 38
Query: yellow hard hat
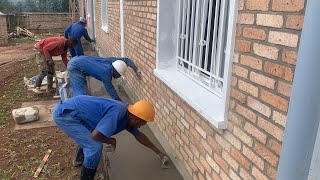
143 110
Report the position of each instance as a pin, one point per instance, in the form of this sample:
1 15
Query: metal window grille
200 56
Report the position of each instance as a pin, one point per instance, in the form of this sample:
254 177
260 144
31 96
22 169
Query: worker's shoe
87 174
79 157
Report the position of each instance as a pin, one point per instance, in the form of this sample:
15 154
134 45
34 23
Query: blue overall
77 30
99 68
80 115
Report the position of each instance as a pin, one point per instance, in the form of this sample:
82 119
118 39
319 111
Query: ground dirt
22 151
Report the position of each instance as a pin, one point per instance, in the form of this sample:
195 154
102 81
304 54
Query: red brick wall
44 22
266 49
3 30
108 42
140 45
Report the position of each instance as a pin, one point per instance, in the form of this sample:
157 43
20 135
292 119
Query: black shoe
79 157
87 174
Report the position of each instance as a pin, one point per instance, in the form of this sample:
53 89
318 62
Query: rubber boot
87 174
79 157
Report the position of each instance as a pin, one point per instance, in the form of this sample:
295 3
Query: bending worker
91 121
77 30
46 48
102 69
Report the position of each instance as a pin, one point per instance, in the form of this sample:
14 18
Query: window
201 42
104 15
194 53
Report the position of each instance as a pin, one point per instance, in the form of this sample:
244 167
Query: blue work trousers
72 126
77 78
77 50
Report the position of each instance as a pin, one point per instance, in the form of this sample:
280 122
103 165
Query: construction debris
44 160
24 115
18 32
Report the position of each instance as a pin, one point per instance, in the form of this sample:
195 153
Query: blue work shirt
101 69
105 115
77 30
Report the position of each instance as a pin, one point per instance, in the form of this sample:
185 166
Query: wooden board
43 162
45 119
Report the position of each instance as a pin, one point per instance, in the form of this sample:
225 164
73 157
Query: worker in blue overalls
103 69
91 121
77 30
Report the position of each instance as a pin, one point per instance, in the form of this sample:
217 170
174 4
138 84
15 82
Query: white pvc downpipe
304 110
121 29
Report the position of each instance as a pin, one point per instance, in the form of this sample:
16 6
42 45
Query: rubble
18 32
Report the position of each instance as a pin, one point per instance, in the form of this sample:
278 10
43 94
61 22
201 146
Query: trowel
165 162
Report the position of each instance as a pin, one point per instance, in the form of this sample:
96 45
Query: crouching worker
91 121
45 49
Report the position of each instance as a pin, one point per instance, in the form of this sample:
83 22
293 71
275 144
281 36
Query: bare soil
22 151
15 51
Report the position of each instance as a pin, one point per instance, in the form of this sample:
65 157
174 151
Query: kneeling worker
91 121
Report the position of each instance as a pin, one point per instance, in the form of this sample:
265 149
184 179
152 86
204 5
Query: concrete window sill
210 106
105 29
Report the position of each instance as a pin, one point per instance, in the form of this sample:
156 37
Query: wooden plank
44 160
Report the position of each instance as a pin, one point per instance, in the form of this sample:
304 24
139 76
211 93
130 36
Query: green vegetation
8 6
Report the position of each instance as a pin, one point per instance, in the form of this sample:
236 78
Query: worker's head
83 20
72 42
140 113
120 68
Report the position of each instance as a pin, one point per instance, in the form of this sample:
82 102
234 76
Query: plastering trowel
165 162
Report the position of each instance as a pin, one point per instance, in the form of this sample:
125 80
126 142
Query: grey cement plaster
133 161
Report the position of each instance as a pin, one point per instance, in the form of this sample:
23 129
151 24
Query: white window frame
212 105
104 16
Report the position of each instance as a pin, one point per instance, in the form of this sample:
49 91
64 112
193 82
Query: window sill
210 106
105 29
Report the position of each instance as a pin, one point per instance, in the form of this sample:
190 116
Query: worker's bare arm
99 137
144 140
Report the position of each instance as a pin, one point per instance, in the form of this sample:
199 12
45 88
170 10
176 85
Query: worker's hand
113 144
50 62
161 155
139 75
164 158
